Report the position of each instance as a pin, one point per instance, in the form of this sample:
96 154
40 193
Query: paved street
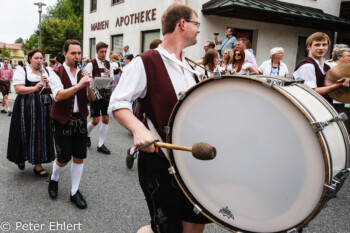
115 201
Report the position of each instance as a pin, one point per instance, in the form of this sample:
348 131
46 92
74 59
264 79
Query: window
302 52
147 37
117 43
93 6
116 1
92 48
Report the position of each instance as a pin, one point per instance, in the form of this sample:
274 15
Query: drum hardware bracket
281 83
217 75
294 230
197 209
271 82
171 170
337 181
166 129
181 95
318 126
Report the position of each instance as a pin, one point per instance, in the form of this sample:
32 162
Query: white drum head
269 172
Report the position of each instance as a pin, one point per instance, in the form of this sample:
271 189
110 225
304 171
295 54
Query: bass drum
271 167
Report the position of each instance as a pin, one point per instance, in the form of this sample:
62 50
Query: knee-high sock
90 127
76 170
56 170
103 133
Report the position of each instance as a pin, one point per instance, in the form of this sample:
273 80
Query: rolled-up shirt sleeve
132 85
55 84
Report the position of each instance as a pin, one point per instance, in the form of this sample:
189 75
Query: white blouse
20 78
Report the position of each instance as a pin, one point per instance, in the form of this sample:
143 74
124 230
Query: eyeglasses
238 54
194 22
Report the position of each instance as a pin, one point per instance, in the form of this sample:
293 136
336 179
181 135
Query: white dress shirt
249 57
56 84
133 85
20 78
100 65
307 72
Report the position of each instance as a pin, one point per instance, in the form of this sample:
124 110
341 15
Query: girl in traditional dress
31 137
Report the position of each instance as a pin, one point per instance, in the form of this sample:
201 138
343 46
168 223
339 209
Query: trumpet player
71 90
99 67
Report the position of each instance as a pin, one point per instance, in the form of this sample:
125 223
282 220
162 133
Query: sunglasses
238 54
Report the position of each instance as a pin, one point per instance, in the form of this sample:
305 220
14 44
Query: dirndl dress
31 136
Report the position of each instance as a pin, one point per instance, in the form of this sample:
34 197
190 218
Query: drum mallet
200 150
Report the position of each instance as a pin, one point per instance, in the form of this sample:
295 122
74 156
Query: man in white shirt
99 67
70 90
157 81
313 68
249 57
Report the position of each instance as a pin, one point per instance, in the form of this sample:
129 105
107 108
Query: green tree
5 52
19 40
31 43
56 31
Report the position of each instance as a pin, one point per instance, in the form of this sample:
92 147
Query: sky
20 18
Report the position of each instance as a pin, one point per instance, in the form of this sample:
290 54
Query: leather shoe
21 166
53 188
40 173
3 111
88 142
9 113
103 149
79 200
129 159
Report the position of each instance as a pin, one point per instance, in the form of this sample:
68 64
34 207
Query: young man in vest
69 111
157 81
99 67
313 68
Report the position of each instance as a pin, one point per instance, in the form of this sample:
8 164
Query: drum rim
190 196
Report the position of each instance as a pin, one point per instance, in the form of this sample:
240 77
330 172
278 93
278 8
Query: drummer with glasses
157 81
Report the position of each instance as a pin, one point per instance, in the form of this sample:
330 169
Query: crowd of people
50 114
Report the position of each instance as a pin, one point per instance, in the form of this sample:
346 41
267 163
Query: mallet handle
172 146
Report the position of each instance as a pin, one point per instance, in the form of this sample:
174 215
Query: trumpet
38 67
96 92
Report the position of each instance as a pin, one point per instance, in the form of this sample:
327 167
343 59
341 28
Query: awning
274 11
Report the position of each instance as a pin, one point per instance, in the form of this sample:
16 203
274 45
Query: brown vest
96 70
62 111
161 97
318 73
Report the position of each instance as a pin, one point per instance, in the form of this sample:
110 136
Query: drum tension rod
337 182
318 126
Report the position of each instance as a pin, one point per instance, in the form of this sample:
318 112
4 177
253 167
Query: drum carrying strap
180 63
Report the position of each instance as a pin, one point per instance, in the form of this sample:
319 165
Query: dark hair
21 63
101 45
209 57
129 56
231 29
173 15
240 61
67 43
45 63
52 61
154 43
32 52
211 44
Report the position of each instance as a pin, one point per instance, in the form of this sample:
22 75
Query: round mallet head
203 151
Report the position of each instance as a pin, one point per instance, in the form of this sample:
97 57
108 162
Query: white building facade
136 23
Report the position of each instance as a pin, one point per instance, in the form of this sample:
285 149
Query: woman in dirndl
31 137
